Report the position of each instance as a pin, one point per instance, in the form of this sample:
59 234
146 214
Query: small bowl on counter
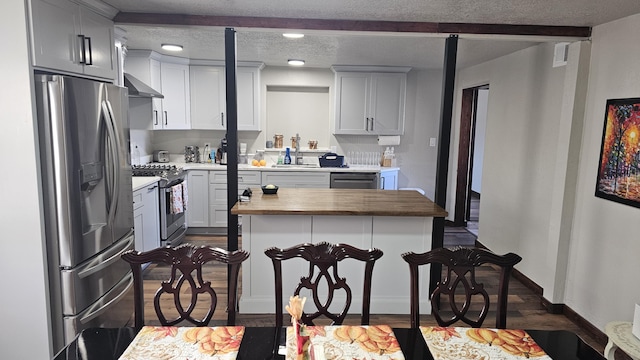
268 190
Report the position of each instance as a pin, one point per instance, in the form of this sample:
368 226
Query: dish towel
185 195
177 204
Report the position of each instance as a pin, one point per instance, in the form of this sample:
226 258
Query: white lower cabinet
296 179
218 193
198 209
146 218
208 195
394 235
389 179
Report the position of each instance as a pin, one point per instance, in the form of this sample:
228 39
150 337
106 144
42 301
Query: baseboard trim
530 284
551 307
600 336
561 308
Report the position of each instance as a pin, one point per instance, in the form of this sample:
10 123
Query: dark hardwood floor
524 309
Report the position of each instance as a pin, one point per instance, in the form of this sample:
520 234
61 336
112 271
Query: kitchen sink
294 166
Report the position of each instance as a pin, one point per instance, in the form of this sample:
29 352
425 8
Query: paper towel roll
389 140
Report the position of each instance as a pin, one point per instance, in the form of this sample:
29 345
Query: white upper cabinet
68 37
370 100
209 97
248 82
176 112
155 81
168 75
352 103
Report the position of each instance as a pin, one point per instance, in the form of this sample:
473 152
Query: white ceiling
325 48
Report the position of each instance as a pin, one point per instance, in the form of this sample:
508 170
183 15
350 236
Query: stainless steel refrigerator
83 131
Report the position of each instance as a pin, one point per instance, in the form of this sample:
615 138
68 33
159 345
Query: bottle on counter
287 157
280 158
206 154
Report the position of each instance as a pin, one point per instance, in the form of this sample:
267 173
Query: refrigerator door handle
107 112
60 166
108 258
97 311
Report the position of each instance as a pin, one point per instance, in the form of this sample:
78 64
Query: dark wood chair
186 271
460 279
324 258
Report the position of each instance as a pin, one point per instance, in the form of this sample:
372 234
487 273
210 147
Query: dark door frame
468 116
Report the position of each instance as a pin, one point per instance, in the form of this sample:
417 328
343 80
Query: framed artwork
619 168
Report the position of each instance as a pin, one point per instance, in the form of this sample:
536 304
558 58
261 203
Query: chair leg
276 343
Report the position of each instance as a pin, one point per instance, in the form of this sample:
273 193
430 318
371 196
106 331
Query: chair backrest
461 264
324 258
186 271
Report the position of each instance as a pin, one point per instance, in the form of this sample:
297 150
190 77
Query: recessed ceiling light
172 47
295 62
293 35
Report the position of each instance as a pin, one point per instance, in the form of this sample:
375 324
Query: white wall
602 279
23 306
417 160
295 77
524 159
302 110
544 130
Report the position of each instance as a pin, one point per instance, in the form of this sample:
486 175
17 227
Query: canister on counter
313 144
278 140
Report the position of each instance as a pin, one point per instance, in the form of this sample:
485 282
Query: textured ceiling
532 12
323 49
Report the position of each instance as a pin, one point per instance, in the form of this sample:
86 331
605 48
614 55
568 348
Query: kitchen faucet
297 153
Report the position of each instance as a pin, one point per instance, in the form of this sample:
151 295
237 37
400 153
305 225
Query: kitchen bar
392 221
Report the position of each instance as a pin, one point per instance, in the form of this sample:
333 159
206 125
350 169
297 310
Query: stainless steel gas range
173 225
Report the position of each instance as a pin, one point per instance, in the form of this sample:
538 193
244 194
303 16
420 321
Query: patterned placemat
459 343
185 343
375 342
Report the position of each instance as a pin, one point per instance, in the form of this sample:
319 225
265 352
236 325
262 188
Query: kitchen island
392 221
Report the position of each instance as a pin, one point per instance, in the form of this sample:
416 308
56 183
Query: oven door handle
168 187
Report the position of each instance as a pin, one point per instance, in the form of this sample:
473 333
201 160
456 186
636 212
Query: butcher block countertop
289 201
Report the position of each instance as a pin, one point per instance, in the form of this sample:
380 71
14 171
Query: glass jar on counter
278 141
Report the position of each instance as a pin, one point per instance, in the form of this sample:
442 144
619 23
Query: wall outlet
432 142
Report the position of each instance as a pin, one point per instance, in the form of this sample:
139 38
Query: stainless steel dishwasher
354 180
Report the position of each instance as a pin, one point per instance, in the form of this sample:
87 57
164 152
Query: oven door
171 223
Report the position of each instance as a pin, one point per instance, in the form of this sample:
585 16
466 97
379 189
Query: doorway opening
473 120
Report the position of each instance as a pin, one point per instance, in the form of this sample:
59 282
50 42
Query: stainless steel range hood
139 89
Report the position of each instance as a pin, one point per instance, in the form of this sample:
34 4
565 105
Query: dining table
260 343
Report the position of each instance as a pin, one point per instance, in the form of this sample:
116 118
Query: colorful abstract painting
619 168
